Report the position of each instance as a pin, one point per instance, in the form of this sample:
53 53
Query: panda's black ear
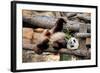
58 25
61 20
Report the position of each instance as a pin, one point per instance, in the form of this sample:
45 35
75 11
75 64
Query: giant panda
52 37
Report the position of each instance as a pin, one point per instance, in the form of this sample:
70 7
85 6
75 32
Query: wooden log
27 33
27 13
43 13
83 35
39 30
25 40
78 52
28 46
84 17
88 40
70 14
88 43
49 22
82 41
58 14
76 27
31 56
40 21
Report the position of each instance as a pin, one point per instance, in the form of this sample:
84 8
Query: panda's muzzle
72 46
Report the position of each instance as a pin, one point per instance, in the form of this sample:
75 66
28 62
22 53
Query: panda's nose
72 45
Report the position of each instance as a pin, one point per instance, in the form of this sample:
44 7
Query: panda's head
72 43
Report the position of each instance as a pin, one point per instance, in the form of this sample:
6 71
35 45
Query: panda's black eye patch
74 41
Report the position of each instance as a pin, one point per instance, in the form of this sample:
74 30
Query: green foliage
68 34
65 57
